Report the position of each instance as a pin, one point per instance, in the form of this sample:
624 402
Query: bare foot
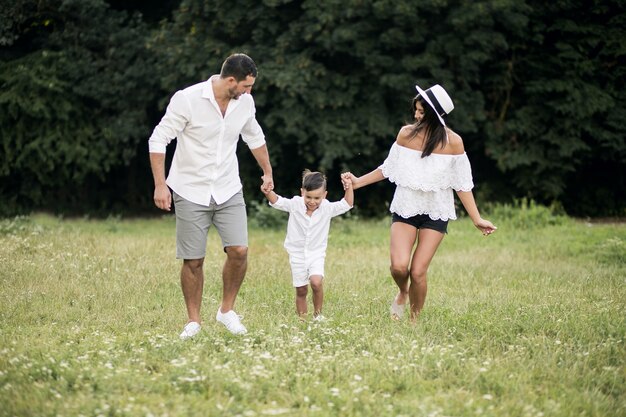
397 306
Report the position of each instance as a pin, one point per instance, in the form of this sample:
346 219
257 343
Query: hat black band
436 104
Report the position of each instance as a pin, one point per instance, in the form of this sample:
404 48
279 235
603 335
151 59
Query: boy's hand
269 193
346 180
349 177
268 184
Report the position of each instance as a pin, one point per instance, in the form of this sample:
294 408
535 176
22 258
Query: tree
537 90
337 77
75 78
556 123
536 85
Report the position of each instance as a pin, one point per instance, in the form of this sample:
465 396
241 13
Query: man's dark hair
313 180
239 66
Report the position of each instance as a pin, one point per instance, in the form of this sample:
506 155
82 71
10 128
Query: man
207 120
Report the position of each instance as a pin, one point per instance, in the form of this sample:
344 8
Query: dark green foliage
524 214
535 100
75 84
264 216
559 118
536 85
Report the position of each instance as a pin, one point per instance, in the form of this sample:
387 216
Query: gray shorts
194 220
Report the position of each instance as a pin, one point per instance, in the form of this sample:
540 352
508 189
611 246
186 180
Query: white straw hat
438 99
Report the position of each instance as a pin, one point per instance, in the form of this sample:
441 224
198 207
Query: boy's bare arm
271 196
349 189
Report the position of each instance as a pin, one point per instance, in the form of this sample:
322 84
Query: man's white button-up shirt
205 161
307 236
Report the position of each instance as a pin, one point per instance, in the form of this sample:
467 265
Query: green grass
527 322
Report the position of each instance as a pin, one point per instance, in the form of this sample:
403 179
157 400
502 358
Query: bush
526 214
75 88
264 216
17 224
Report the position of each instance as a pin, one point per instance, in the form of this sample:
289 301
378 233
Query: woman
426 162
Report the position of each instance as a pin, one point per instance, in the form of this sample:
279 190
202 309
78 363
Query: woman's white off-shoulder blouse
424 185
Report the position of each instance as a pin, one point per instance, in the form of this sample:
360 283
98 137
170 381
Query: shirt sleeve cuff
279 204
156 147
256 142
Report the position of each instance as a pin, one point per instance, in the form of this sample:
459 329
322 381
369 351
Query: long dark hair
434 131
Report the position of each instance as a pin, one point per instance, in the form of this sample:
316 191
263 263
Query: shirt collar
208 93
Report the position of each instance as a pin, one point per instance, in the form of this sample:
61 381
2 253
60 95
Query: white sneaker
319 318
191 329
231 321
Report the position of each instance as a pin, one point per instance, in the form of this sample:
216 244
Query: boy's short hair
313 180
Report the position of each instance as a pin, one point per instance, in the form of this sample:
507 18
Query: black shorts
422 221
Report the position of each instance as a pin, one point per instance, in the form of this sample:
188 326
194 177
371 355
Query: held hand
268 184
163 197
264 190
348 177
345 180
352 178
485 226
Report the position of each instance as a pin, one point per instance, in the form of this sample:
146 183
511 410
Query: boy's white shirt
308 235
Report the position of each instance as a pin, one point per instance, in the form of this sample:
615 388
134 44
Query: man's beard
233 93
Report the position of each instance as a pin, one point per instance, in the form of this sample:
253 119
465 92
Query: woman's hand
348 177
485 226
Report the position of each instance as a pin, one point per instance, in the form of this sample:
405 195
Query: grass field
528 322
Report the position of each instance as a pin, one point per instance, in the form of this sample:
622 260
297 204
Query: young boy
307 234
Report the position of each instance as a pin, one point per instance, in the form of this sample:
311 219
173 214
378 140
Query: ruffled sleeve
390 165
461 173
405 167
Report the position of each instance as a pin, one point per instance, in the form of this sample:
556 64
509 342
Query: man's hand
268 184
163 197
